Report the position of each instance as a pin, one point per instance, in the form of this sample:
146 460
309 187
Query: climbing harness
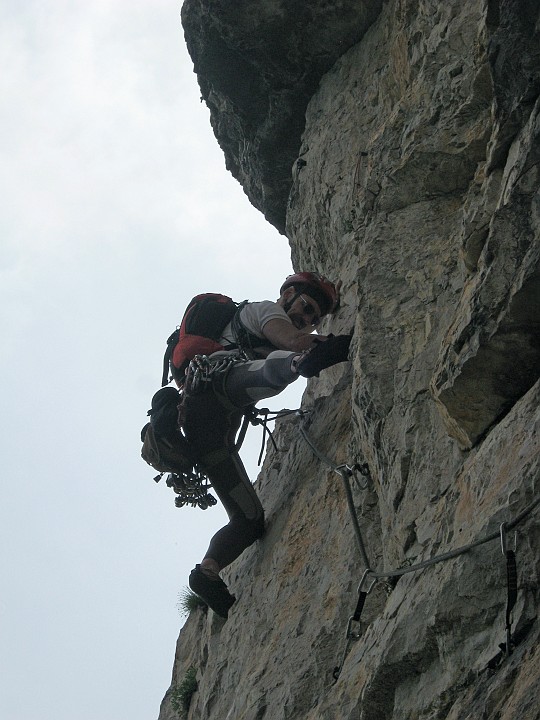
189 482
370 576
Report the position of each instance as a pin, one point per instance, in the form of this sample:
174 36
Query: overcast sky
116 210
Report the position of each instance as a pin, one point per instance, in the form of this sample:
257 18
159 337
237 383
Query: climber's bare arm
284 336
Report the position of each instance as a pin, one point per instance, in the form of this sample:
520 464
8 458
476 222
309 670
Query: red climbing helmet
316 286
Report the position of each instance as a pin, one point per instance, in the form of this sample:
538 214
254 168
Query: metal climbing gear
511 573
262 416
511 584
202 370
191 489
370 577
364 588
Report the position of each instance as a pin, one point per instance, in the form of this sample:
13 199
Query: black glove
323 355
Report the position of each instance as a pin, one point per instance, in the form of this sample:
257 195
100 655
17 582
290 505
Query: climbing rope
201 373
258 416
262 416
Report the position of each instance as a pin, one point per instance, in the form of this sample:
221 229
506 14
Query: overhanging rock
258 63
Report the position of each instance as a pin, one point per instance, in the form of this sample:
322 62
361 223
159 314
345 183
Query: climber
277 336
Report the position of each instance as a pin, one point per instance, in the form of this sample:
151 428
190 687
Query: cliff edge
397 145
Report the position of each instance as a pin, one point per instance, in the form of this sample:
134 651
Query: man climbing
277 337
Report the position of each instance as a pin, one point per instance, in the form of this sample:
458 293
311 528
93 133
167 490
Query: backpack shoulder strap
172 341
245 340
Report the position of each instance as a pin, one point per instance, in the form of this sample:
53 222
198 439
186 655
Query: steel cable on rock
418 566
344 471
458 551
370 576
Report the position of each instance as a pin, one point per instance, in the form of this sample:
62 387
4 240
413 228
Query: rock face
258 64
417 184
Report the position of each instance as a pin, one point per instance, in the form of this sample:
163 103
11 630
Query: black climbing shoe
213 592
323 355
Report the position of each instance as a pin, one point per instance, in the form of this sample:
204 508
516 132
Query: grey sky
116 210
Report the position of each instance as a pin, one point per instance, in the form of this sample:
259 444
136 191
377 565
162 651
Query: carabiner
504 544
367 571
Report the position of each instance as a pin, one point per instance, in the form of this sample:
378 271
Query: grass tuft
188 601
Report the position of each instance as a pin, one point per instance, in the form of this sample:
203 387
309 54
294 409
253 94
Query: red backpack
204 320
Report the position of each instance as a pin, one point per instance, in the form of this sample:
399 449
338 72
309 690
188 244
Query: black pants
211 422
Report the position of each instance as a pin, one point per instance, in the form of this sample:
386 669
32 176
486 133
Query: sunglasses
310 310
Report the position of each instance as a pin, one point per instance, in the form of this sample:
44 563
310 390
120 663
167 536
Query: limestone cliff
397 144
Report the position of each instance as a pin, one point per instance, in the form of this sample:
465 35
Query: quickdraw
202 370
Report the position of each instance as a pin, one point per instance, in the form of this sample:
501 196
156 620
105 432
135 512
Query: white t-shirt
254 317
